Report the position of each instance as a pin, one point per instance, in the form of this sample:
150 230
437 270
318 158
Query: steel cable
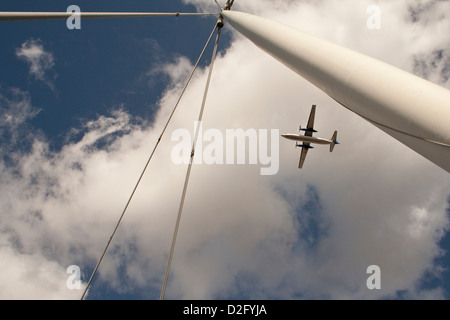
147 164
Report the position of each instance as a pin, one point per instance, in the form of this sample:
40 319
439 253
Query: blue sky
107 52
94 70
82 109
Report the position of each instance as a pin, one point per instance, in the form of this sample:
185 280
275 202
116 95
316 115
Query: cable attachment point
220 23
228 5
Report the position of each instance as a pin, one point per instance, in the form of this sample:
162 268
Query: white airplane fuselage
297 137
308 139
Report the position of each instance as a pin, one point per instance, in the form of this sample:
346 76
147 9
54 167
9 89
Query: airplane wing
310 126
303 154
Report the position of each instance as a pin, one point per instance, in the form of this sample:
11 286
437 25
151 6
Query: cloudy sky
82 109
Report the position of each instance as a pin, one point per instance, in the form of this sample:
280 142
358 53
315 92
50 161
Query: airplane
308 138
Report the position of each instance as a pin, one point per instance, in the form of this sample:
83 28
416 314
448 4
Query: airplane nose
287 136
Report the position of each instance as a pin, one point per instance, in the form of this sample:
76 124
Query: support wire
146 165
188 172
22 16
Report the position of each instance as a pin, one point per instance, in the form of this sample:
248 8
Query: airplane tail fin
334 141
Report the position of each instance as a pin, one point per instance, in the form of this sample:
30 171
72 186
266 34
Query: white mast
414 111
18 16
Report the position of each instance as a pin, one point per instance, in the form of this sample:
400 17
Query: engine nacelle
303 146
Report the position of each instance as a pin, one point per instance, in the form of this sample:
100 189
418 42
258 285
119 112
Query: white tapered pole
413 110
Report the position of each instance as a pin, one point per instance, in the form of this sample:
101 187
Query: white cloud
15 111
32 276
40 61
307 233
